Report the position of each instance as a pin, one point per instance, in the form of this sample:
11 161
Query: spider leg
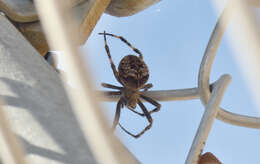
109 93
105 85
140 114
155 103
110 60
148 117
126 42
147 86
117 115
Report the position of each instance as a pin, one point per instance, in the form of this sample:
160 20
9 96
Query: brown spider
132 73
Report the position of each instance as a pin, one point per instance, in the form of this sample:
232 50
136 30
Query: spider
132 74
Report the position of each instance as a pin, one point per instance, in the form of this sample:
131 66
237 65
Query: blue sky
172 36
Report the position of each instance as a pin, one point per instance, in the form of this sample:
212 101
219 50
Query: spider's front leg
155 103
126 42
110 58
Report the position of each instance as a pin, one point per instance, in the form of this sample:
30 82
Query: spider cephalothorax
132 73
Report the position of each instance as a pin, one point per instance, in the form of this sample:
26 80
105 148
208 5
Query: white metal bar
36 104
207 120
161 95
58 27
205 69
11 150
244 37
189 94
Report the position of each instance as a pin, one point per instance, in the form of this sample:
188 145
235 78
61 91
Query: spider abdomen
133 72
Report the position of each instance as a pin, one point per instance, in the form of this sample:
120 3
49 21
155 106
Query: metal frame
211 110
104 145
12 152
203 91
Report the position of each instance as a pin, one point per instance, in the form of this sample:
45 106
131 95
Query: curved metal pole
207 120
205 69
